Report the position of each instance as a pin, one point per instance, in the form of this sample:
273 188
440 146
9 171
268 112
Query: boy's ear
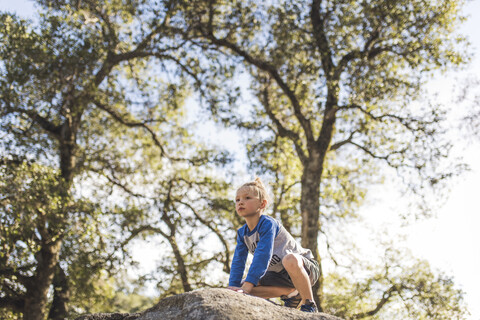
264 204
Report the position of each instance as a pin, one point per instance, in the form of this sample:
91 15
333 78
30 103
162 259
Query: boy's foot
291 302
309 306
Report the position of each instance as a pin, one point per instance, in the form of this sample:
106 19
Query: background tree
467 95
90 100
86 94
338 81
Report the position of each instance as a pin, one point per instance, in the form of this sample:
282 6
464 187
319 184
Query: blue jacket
269 242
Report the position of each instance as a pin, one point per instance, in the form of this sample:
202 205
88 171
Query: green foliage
177 206
404 287
99 150
94 94
32 201
36 208
377 57
335 100
9 315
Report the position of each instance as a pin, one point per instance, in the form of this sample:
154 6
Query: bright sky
451 241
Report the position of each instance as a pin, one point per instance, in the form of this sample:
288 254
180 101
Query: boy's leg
268 292
293 263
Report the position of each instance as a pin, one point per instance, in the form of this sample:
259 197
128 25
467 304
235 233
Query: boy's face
247 203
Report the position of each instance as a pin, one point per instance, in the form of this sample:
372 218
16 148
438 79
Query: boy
280 266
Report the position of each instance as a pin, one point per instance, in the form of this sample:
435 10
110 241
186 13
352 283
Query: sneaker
309 306
291 302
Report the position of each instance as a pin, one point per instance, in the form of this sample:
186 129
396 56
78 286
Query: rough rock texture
212 304
110 316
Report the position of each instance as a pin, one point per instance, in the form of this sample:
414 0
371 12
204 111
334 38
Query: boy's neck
252 221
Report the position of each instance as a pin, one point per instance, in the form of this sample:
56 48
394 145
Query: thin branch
186 69
43 122
117 183
268 68
330 251
15 304
219 235
135 232
370 153
138 124
385 298
368 51
386 158
406 122
339 144
321 40
282 130
23 279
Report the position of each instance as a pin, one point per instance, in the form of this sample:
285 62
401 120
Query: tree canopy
98 148
336 86
86 119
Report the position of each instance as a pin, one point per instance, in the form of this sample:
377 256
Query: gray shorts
282 278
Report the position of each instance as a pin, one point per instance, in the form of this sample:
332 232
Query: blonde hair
258 188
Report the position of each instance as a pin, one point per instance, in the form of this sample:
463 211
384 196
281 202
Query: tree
34 205
336 82
82 91
420 292
467 95
36 214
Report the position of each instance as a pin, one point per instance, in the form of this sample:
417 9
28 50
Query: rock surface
212 304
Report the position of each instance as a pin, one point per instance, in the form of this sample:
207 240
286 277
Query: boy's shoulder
269 220
267 223
264 222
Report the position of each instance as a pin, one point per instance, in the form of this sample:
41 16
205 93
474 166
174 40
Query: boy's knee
291 261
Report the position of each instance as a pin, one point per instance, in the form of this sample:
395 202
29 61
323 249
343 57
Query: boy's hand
247 287
236 289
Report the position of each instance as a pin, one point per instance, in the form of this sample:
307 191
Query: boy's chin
247 214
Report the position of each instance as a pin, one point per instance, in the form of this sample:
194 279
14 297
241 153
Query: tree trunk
37 290
310 208
61 296
48 256
67 151
181 268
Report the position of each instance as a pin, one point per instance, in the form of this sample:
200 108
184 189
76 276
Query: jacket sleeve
238 262
263 252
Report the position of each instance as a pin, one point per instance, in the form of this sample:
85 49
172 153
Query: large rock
212 304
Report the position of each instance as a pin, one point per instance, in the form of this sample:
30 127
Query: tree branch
15 304
214 230
266 67
385 298
117 183
386 158
321 40
138 124
282 130
406 122
186 69
368 51
23 279
339 144
135 232
43 122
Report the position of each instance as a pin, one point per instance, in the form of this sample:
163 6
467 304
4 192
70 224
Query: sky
450 241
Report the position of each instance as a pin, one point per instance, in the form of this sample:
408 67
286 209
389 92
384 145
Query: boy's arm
238 263
263 253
